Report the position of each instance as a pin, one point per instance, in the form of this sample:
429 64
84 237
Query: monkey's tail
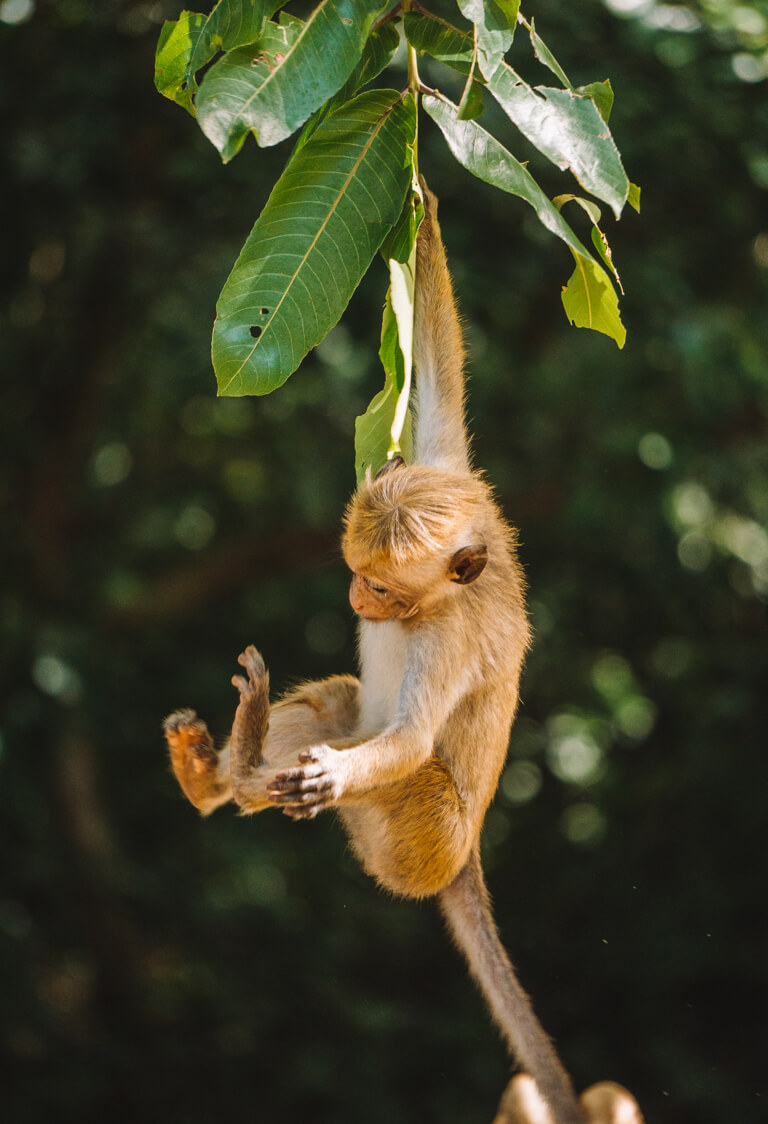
466 906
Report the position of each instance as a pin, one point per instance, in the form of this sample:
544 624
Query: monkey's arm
340 773
311 713
440 432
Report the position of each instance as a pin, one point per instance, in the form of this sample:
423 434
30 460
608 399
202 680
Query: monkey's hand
315 785
194 760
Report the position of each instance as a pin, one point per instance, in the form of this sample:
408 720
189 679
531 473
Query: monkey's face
390 593
374 601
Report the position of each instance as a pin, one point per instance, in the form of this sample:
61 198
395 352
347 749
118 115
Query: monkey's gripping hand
316 784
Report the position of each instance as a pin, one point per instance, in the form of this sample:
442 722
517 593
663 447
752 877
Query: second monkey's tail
466 906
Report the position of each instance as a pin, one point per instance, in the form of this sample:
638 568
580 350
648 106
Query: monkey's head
412 539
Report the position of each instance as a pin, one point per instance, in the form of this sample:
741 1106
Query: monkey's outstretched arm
440 432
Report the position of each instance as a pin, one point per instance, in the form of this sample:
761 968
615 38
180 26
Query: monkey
409 754
604 1103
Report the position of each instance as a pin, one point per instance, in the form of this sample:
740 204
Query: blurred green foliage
155 966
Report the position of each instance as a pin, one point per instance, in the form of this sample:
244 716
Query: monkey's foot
310 788
258 679
193 757
251 717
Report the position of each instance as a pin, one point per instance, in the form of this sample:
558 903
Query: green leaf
400 241
232 23
567 129
175 47
385 429
545 56
340 194
432 36
482 155
599 240
590 301
273 86
373 429
378 52
601 94
471 105
634 197
495 28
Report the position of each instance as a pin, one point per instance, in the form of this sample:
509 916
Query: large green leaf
273 86
568 129
378 52
175 47
482 155
328 214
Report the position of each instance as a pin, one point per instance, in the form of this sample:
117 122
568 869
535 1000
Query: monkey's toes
187 734
178 719
253 663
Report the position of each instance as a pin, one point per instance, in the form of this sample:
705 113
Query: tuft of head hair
409 514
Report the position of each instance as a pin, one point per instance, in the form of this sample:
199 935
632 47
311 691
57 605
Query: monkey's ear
468 564
389 465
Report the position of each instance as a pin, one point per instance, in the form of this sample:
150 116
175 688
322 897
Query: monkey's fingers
297 776
317 802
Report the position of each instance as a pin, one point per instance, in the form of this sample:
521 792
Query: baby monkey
410 753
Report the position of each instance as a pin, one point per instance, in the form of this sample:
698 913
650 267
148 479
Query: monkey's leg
312 713
202 772
466 906
249 728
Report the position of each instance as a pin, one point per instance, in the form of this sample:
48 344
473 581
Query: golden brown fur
410 754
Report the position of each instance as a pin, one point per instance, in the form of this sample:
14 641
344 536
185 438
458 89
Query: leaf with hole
329 212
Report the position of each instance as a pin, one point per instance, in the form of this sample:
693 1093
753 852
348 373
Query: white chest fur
382 662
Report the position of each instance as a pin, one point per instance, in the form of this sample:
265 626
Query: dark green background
154 966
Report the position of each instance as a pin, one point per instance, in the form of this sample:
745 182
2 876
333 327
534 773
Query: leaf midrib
276 71
312 245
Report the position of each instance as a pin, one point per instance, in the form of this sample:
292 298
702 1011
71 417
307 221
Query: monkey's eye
374 588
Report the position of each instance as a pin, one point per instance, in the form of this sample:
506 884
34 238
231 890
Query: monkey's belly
412 837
